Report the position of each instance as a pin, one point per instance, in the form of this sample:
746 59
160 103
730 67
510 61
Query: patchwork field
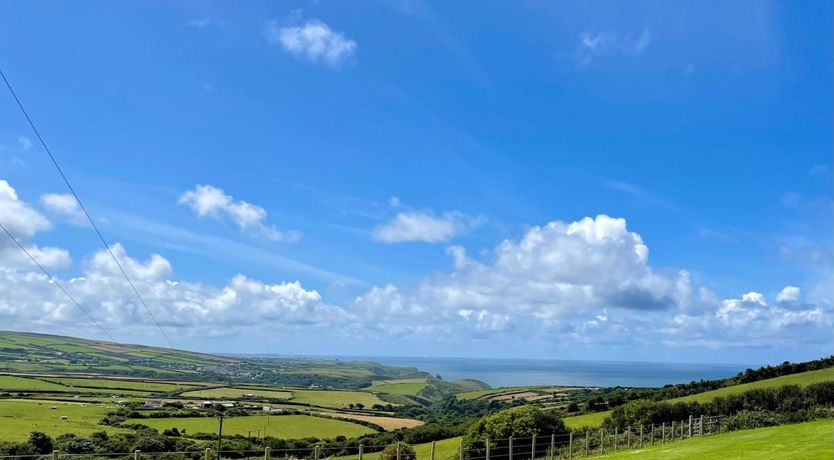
20 417
387 423
593 419
283 426
336 399
237 393
804 441
410 387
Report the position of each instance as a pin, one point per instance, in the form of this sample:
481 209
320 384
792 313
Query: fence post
641 436
361 449
487 449
690 426
460 449
663 433
701 426
553 445
208 453
587 442
533 448
136 454
398 450
651 434
315 453
511 448
673 431
267 449
55 454
616 433
433 443
602 440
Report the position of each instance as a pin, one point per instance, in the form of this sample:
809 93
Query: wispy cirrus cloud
425 226
596 44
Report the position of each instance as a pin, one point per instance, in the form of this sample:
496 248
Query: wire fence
576 444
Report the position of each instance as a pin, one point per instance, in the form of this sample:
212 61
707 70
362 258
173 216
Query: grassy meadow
804 441
20 417
281 426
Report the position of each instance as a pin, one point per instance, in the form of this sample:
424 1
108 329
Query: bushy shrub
405 450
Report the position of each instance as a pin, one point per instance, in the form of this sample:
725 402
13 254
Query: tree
406 452
518 422
41 442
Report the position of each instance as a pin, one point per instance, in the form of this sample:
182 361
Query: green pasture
237 393
399 386
802 379
804 441
278 426
18 418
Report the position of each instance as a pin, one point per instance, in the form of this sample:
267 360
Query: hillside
48 354
801 379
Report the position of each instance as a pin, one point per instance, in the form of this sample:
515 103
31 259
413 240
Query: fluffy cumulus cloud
584 282
64 205
23 222
424 226
588 281
313 41
213 202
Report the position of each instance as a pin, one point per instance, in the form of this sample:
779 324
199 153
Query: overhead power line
54 281
83 208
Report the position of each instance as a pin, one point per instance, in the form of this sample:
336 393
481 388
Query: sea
519 372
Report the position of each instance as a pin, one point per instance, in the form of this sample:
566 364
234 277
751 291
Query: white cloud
209 201
788 294
23 222
424 226
313 40
25 143
64 205
593 45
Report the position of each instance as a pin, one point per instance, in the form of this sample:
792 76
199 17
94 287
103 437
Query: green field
11 382
20 417
281 426
481 393
446 449
335 398
593 419
237 393
803 378
399 386
804 441
149 386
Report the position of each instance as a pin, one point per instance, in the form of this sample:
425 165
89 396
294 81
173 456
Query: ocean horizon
507 372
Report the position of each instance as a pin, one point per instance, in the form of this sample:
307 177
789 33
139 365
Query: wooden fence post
701 426
690 426
673 431
641 436
55 454
511 448
487 449
570 445
602 441
361 451
433 444
460 449
533 448
652 434
587 442
136 454
398 450
208 453
316 452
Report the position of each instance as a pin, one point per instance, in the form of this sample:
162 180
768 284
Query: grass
282 426
237 393
804 441
399 386
802 379
446 449
481 393
593 419
20 417
118 384
335 398
11 382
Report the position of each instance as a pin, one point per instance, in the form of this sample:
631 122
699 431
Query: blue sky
402 161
